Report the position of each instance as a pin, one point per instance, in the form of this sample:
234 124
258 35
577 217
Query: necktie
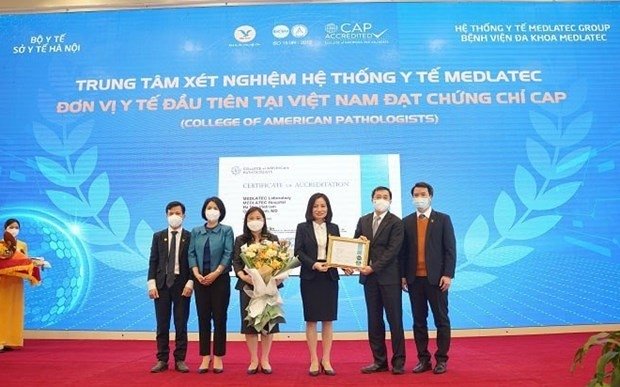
422 216
171 260
375 225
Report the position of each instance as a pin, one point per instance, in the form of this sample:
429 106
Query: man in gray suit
381 280
428 260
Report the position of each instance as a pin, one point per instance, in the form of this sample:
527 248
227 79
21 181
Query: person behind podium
12 298
170 286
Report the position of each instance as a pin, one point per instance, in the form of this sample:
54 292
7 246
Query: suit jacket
159 257
439 252
221 241
306 249
385 247
237 261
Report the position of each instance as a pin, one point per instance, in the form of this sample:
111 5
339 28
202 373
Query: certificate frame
347 252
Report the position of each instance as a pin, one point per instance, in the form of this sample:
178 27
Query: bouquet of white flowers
268 263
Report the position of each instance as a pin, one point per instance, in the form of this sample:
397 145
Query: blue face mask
421 204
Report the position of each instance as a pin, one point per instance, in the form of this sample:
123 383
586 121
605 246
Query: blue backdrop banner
508 109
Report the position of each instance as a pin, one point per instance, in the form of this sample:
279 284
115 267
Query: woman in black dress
254 231
319 283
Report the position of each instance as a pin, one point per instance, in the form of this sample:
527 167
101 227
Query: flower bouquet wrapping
268 263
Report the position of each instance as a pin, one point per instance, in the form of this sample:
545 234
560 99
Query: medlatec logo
355 33
245 36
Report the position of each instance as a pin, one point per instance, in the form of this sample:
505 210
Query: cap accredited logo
355 33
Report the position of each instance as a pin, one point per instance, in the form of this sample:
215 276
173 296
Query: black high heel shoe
252 371
315 373
326 371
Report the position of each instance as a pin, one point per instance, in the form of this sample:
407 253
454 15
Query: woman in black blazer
254 231
319 283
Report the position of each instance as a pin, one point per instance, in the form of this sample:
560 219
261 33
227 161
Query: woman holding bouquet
12 299
319 283
210 253
254 231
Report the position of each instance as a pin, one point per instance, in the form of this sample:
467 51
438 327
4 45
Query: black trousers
212 305
171 303
388 298
421 294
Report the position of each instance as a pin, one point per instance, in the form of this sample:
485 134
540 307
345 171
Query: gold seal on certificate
347 252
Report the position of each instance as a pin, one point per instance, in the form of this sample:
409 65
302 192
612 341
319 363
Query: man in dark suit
381 280
428 260
169 284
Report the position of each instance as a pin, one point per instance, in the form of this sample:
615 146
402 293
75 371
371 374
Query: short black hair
11 221
220 205
313 198
175 204
380 188
421 184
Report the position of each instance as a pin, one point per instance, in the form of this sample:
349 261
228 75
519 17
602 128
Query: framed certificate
347 252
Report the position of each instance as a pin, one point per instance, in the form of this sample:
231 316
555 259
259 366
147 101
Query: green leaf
78 136
54 172
525 185
99 192
97 235
572 163
69 204
143 237
49 140
555 197
85 165
504 213
533 228
545 128
476 237
119 218
576 130
539 157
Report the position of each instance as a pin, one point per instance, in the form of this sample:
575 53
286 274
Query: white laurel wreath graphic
554 159
86 198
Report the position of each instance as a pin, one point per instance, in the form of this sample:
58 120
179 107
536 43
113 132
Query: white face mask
255 225
381 205
212 215
13 231
422 203
175 221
